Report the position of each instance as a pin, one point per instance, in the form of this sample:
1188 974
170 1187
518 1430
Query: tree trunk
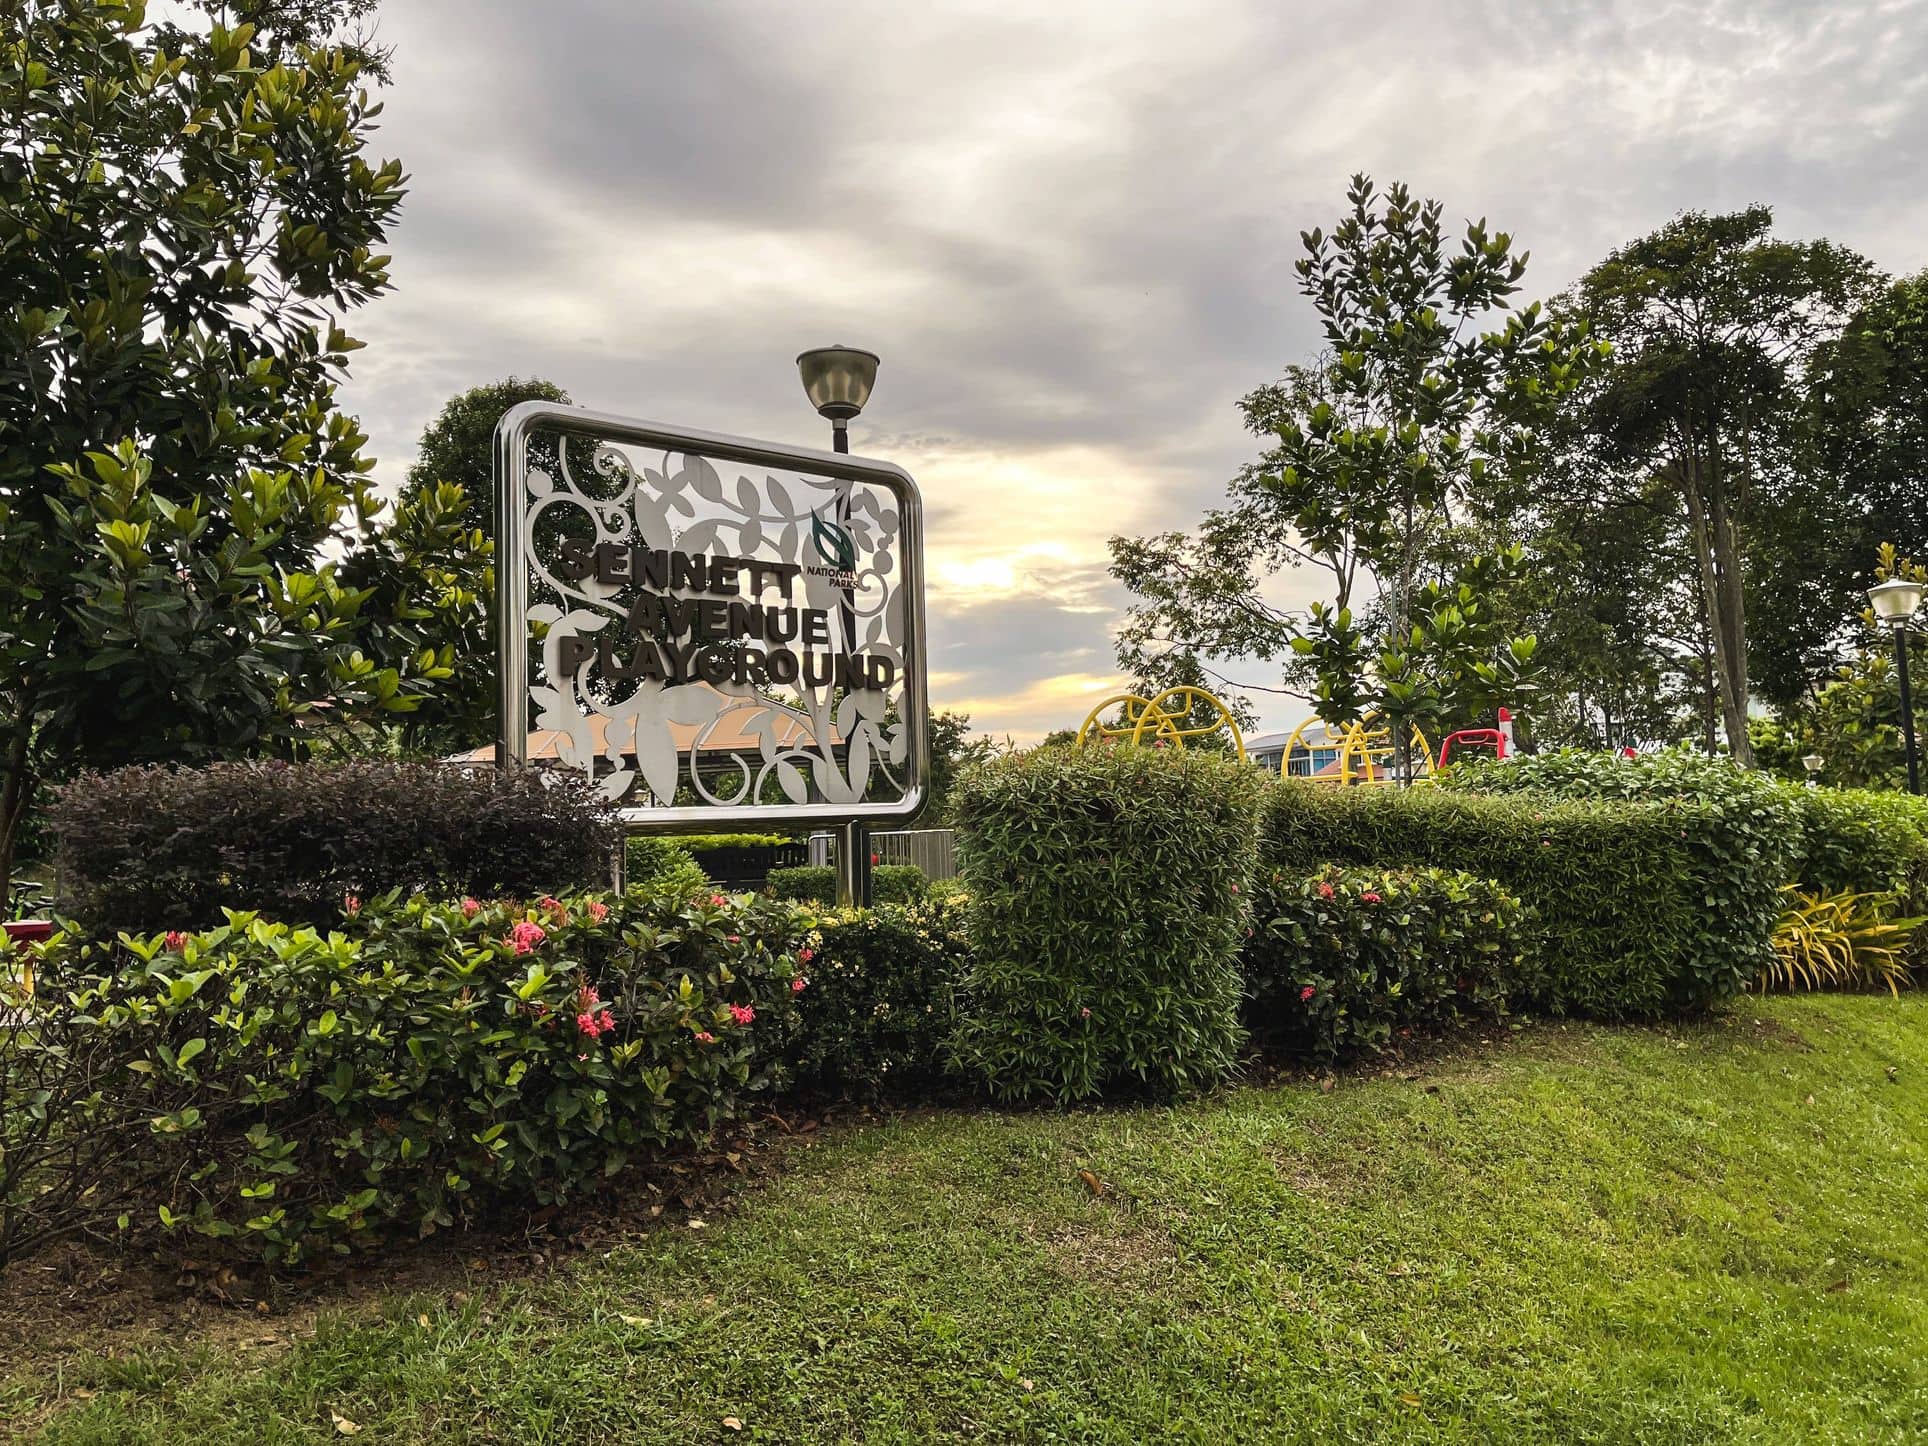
15 795
1726 628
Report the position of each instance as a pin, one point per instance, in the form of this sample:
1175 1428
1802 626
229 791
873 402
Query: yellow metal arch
1364 750
1165 719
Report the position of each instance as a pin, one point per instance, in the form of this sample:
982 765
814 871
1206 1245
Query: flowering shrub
880 1002
1107 906
817 884
422 1063
1349 960
165 848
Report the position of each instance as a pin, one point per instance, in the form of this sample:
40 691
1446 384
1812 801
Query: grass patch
1586 1234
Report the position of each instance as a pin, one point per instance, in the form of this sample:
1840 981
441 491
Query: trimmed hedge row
1106 910
162 848
1346 960
1640 909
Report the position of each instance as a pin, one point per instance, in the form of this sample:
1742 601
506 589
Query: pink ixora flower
806 955
1084 1014
703 1036
471 907
555 908
1235 888
595 1025
1306 993
351 904
176 940
587 997
796 985
525 936
734 938
1370 897
1325 891
598 911
742 1013
718 900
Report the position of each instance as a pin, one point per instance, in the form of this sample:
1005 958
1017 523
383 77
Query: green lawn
1581 1234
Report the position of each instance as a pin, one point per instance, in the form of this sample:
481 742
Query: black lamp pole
1907 708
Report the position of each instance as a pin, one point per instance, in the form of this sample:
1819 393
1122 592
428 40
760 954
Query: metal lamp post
1896 602
838 381
1813 763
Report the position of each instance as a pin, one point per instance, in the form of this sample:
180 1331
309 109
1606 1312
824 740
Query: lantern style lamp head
838 380
1813 763
1896 601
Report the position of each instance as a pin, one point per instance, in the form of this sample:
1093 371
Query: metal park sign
712 629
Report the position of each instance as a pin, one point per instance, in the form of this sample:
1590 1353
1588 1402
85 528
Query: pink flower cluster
350 904
703 1036
797 984
525 936
1306 993
1325 891
595 1025
1370 897
471 907
742 1013
806 955
598 911
176 941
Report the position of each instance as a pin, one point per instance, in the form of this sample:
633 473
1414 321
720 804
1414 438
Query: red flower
742 1013
598 911
806 955
1235 888
703 1036
525 936
718 900
555 907
796 985
470 908
1306 993
1370 897
1084 1014
351 904
1325 891
176 941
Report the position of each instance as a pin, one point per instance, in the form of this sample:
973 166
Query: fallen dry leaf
1409 1398
635 1320
730 1423
343 1425
422 1320
1092 1182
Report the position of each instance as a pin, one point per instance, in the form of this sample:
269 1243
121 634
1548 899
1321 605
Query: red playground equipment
1499 739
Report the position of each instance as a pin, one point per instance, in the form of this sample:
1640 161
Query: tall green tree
459 445
1714 323
1432 385
186 210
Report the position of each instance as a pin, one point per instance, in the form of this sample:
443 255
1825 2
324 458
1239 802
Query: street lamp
1813 763
838 381
1896 602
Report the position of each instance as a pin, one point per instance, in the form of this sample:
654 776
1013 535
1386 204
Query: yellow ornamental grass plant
1838 940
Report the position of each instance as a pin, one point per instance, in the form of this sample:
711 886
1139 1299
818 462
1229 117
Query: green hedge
413 1067
1106 908
1640 909
817 884
662 864
1350 960
881 1001
170 848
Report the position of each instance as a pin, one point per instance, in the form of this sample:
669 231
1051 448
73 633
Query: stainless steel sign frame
769 597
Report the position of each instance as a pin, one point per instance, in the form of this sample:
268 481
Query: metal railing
931 849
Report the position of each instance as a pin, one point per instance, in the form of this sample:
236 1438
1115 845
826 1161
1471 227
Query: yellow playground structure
1348 753
1164 721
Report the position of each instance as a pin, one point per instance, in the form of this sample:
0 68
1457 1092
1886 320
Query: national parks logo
837 549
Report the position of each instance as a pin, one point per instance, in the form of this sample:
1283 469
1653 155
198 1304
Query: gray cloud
1069 233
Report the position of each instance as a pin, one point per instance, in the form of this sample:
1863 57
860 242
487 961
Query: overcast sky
1068 233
